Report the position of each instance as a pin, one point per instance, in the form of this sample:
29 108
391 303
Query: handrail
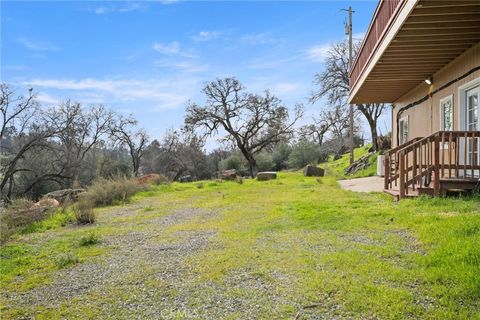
423 162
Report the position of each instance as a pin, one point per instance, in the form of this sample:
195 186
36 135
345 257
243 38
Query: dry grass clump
106 192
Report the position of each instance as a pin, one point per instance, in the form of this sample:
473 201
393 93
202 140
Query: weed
83 210
65 260
89 239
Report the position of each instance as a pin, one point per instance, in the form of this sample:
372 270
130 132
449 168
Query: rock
46 202
313 171
187 178
361 164
152 178
267 175
228 174
64 195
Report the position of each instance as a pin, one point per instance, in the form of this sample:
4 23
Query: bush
235 161
280 156
304 153
264 161
89 240
17 216
106 192
65 260
83 211
160 179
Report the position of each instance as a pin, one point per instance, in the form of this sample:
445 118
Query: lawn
291 248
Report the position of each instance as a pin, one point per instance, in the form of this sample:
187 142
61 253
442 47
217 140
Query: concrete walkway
368 184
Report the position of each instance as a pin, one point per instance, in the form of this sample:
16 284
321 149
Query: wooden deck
434 165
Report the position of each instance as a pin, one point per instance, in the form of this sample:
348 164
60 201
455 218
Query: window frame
442 113
402 120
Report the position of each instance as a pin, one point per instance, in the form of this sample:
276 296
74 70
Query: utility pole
348 31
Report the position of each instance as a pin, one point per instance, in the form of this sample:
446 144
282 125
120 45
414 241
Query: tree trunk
253 167
374 134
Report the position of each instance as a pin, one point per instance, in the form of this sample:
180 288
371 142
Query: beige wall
424 118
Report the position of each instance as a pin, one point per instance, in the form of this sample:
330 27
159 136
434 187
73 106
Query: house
423 57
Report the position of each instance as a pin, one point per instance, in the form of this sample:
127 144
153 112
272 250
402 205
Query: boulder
361 164
313 171
228 174
64 195
47 203
267 175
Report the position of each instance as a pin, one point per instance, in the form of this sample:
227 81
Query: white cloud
318 53
206 36
14 67
172 48
285 88
100 10
259 38
169 93
168 1
47 99
120 6
36 45
186 66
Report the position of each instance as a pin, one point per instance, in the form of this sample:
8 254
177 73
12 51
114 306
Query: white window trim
462 91
442 115
462 121
405 118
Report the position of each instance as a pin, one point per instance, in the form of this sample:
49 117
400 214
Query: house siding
424 118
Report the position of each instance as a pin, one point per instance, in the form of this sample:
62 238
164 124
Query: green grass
349 255
337 167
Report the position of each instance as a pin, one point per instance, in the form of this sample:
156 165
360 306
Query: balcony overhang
407 42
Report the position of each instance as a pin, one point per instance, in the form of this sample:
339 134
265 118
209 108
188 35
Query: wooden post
436 166
401 175
386 177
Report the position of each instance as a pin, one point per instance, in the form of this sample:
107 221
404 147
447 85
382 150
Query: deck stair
433 165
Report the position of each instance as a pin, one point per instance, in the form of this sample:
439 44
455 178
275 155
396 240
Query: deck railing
382 19
424 162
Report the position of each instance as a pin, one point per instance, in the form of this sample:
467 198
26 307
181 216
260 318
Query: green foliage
303 153
337 167
89 239
280 156
60 218
65 260
234 161
264 161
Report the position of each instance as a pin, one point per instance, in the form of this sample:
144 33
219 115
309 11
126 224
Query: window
403 134
446 114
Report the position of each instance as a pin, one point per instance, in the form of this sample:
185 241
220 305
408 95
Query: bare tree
123 131
23 129
251 122
179 153
79 130
316 131
333 83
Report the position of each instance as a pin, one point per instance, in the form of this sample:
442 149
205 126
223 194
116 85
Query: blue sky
150 58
